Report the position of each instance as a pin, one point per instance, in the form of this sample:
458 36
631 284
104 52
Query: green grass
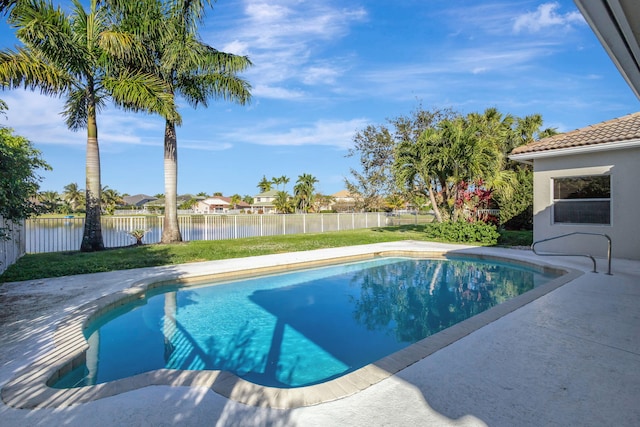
38 266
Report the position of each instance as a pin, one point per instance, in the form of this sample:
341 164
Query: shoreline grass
57 264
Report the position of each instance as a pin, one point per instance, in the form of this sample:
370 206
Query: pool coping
29 388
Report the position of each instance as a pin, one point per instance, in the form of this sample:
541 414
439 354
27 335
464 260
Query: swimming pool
296 329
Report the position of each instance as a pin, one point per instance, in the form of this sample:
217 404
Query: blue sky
324 70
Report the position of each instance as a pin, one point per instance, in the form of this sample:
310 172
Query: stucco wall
624 168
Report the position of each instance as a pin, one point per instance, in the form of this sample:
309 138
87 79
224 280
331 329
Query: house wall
624 230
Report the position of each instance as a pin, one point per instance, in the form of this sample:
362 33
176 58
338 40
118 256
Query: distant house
587 181
219 205
343 201
159 203
138 200
263 202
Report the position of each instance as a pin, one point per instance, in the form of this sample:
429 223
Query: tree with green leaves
375 147
80 56
51 200
235 199
73 195
110 199
276 181
304 192
19 177
282 202
264 185
189 68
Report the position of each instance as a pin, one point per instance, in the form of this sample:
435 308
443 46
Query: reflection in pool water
300 328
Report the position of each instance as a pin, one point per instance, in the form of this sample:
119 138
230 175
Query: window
582 200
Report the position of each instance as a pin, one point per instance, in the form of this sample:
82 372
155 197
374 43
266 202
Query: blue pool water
300 328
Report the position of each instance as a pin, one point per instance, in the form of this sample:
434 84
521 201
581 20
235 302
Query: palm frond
142 92
75 109
24 68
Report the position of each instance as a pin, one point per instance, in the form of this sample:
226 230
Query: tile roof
342 194
624 128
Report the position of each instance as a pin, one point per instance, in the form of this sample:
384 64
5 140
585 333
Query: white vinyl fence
65 234
12 243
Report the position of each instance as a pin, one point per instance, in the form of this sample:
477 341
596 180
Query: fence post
235 226
284 224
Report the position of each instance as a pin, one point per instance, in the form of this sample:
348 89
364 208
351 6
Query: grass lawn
56 264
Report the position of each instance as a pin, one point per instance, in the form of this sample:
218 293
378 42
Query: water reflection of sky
299 328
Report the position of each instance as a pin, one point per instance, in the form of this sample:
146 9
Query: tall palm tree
277 181
189 68
110 199
284 180
73 195
416 168
304 191
282 202
78 56
264 185
50 199
235 199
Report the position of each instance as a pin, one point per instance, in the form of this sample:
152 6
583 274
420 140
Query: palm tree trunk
92 237
434 205
171 229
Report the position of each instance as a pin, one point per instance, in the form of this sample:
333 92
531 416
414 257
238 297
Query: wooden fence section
12 243
65 234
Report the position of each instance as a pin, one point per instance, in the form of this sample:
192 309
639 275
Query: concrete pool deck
570 357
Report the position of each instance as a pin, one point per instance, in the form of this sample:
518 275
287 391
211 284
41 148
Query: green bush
463 232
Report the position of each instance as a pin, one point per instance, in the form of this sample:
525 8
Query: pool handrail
585 255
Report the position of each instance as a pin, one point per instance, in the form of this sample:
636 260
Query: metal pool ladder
533 248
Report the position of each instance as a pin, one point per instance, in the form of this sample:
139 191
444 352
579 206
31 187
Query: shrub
463 232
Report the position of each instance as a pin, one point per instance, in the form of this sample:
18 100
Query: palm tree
412 168
284 180
304 191
282 202
73 195
235 199
50 199
395 202
264 185
276 181
78 56
110 199
189 68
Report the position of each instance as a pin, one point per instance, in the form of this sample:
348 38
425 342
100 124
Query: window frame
565 201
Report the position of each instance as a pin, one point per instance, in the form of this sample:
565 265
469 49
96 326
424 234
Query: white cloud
320 75
37 117
546 17
280 37
335 133
236 47
276 92
204 145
